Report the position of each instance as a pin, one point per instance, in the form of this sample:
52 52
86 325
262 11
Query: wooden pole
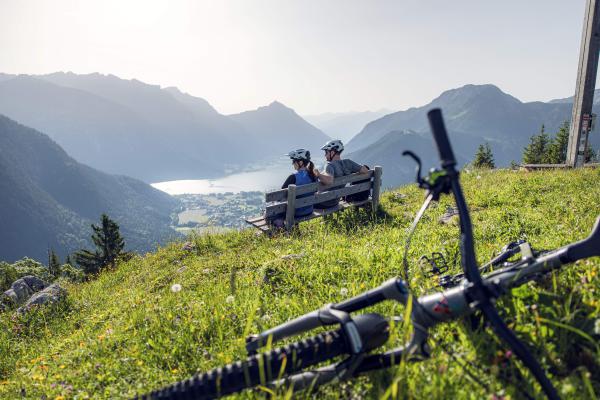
290 210
376 187
586 82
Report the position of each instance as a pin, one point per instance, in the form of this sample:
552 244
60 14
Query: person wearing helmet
336 167
304 175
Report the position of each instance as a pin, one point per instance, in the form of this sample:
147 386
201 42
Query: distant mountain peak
476 90
276 105
471 94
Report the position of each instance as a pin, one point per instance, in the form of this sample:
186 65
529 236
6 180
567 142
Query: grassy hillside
49 200
127 332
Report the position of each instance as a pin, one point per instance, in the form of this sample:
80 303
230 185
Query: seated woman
304 175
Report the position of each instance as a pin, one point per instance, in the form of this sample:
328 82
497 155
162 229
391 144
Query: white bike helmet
299 155
335 145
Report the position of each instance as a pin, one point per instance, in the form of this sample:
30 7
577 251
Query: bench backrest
320 193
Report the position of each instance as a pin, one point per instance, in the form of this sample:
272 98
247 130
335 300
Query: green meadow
127 332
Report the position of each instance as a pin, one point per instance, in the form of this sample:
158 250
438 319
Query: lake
264 179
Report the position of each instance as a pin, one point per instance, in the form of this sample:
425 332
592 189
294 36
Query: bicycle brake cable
411 231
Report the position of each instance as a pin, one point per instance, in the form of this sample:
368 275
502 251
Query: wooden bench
284 202
534 167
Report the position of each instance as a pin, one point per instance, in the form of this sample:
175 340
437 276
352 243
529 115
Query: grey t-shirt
337 168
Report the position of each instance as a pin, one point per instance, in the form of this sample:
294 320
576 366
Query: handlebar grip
588 247
436 123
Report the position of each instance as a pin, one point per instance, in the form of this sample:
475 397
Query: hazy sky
313 55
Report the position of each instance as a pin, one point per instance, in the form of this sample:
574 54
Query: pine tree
484 157
557 148
535 152
109 246
53 264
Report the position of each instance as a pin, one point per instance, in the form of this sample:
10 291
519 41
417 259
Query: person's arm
291 180
356 167
326 178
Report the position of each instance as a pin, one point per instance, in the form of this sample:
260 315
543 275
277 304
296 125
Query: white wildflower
344 291
176 288
266 317
478 176
229 299
597 327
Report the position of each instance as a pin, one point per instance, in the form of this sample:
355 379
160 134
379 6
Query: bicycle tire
241 375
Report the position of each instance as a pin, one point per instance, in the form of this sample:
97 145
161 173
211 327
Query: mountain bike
358 336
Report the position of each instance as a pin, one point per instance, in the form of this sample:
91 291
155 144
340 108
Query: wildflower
344 291
478 176
109 331
206 271
266 317
597 327
229 299
176 288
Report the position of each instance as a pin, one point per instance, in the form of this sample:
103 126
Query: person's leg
278 222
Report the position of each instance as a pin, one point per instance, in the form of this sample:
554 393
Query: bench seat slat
255 219
261 224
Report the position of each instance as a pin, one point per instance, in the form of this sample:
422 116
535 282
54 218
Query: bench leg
290 210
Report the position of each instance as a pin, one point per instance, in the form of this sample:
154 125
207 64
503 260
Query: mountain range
49 200
279 129
344 125
474 114
155 134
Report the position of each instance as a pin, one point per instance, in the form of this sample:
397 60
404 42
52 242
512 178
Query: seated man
336 167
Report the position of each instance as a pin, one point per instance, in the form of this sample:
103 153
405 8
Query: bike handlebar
440 135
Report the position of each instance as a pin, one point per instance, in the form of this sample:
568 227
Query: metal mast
581 121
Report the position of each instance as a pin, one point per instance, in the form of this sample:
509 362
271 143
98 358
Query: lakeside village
216 211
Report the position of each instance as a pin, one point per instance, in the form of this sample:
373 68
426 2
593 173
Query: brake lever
420 181
437 181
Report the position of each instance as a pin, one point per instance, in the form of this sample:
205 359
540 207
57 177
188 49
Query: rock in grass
49 295
448 215
188 246
292 256
23 288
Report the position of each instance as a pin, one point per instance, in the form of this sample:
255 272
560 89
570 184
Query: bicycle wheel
266 367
